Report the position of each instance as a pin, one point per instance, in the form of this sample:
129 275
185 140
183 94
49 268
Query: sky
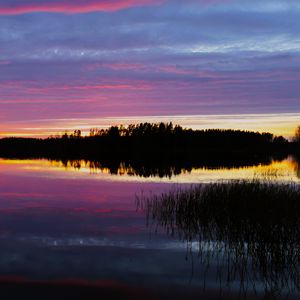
68 64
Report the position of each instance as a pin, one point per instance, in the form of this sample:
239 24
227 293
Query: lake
78 223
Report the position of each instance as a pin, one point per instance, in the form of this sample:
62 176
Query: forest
151 141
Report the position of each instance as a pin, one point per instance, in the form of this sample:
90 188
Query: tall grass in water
252 227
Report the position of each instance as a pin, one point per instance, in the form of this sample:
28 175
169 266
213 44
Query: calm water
79 221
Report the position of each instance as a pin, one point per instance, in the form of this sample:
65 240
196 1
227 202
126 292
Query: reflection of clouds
88 228
136 240
154 266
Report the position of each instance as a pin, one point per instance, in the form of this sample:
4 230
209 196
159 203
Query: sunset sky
67 64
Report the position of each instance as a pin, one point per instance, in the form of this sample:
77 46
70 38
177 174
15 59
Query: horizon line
283 124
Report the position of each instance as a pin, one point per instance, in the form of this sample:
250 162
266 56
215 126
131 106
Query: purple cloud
15 7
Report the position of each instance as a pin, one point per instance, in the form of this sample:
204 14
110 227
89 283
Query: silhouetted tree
65 136
147 140
279 140
76 134
113 132
297 135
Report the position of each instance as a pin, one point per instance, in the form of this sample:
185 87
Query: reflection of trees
296 162
129 168
165 168
249 229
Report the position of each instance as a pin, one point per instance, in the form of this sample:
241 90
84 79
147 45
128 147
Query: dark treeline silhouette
248 230
148 141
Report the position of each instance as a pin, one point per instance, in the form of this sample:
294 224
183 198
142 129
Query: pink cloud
71 6
5 62
116 66
208 2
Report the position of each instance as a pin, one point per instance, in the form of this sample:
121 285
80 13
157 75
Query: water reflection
77 219
286 169
279 170
169 169
297 166
248 232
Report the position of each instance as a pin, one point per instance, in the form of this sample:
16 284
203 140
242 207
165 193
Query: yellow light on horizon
278 124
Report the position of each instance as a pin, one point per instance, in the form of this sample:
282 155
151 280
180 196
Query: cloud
16 7
181 57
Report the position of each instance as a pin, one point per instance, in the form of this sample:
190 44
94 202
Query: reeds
252 228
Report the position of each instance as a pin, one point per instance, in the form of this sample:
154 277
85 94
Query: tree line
149 141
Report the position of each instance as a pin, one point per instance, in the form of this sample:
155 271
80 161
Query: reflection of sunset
104 103
297 168
285 170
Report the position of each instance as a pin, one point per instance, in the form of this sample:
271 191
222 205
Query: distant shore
148 141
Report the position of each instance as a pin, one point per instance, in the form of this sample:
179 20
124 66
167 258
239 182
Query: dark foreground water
73 230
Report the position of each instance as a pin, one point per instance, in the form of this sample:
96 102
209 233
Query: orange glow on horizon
278 124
